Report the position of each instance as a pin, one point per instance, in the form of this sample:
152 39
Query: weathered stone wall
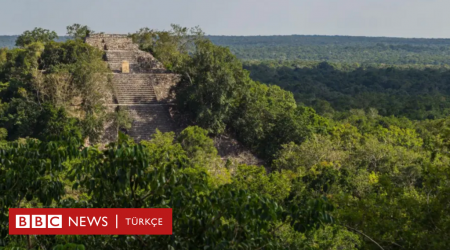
140 62
146 119
147 62
111 42
134 69
162 84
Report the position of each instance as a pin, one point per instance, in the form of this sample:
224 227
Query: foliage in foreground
157 174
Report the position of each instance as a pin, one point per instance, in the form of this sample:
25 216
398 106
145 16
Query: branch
276 229
366 236
151 192
39 243
189 77
131 187
28 242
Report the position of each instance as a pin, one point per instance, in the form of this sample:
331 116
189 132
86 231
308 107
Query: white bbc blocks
38 221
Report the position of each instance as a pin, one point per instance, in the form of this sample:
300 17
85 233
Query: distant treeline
7 41
10 41
365 50
347 49
415 91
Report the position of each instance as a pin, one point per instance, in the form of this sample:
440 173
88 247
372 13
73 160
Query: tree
201 151
29 170
172 47
197 144
214 82
121 119
78 31
36 35
70 75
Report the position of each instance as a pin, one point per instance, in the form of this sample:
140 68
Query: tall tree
78 31
36 35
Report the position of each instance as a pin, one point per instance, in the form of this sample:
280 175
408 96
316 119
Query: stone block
125 67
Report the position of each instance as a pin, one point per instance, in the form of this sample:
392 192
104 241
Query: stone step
131 60
111 57
133 90
130 56
129 88
119 53
134 102
133 76
135 98
131 84
135 69
131 81
148 76
128 96
117 67
148 118
131 95
140 89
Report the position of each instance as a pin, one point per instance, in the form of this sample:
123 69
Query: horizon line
306 35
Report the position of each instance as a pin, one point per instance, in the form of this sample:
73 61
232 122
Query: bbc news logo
55 221
38 221
90 221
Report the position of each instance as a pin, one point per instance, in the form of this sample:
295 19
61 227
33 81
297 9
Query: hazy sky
399 18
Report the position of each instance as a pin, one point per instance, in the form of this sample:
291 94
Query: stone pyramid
141 84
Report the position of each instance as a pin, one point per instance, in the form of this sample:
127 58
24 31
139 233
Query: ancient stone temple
141 85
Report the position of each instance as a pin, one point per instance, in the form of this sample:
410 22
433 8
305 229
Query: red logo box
90 221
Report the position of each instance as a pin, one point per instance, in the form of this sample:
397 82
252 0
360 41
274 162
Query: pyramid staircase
135 90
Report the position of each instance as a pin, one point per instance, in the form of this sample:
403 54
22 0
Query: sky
392 18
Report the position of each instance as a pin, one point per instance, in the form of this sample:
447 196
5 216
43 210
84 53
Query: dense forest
369 170
414 91
346 49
